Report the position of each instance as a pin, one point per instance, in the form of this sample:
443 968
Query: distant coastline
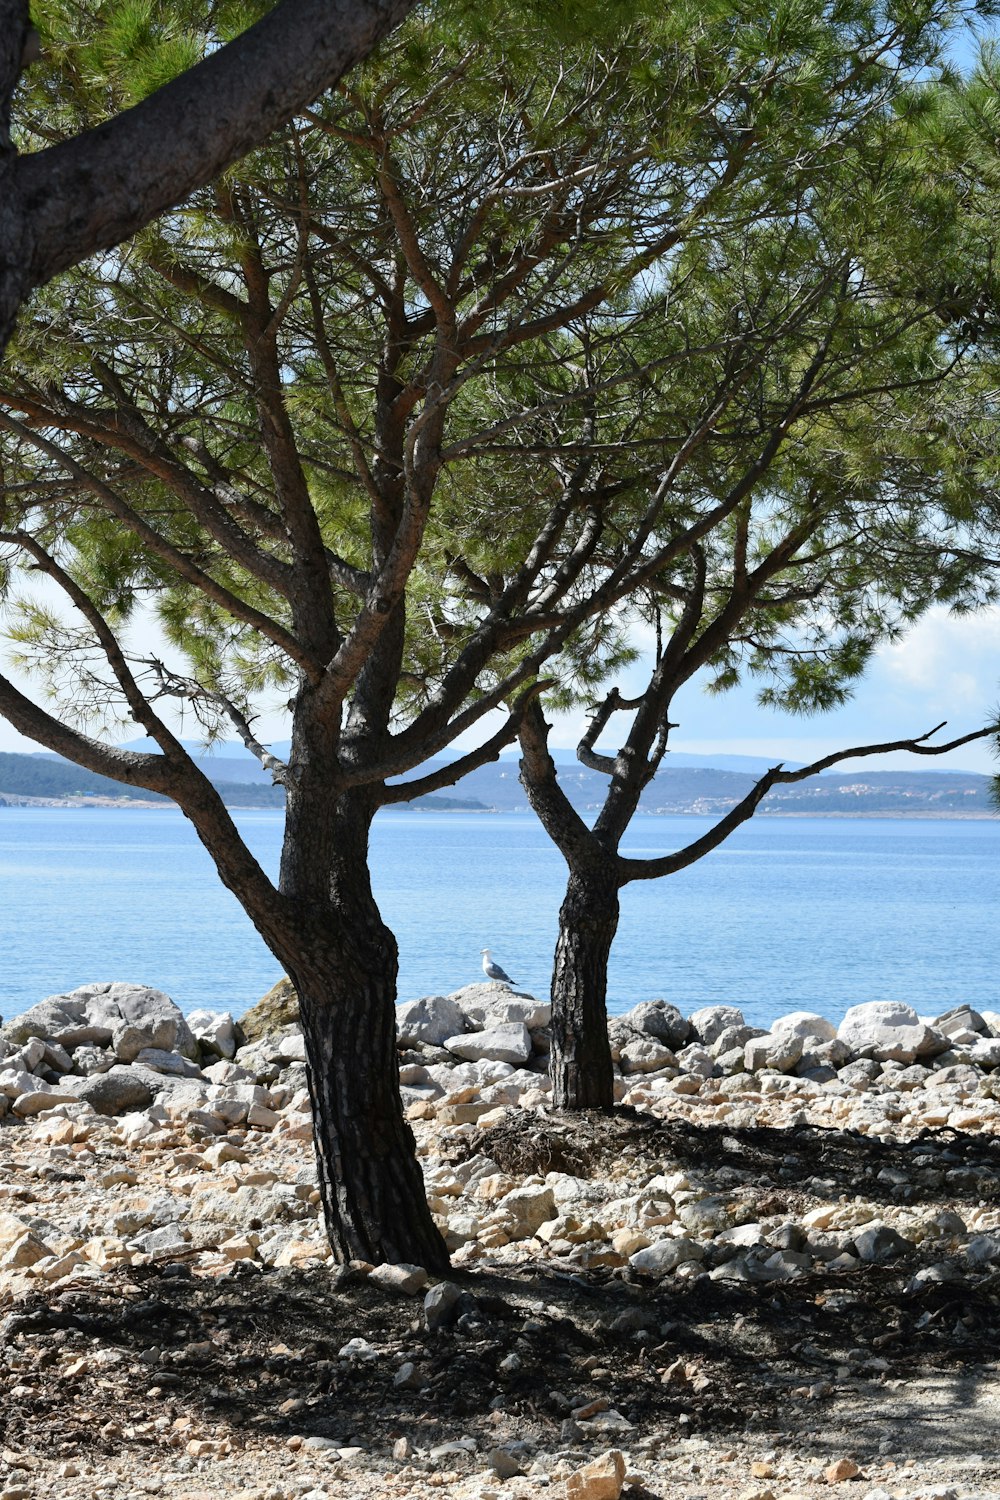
10 803
676 791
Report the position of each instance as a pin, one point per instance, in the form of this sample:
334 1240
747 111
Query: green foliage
526 262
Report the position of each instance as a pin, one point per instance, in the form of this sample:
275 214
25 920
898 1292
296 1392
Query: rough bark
60 205
580 1062
372 1188
342 960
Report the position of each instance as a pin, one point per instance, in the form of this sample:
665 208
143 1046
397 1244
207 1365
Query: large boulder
708 1024
658 1019
887 1030
507 1044
126 1017
642 1054
488 1005
115 1092
805 1024
147 1013
64 1019
431 1020
278 1008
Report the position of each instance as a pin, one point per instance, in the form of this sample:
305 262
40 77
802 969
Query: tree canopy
417 408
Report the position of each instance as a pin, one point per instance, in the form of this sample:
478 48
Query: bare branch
175 685
669 864
557 814
447 775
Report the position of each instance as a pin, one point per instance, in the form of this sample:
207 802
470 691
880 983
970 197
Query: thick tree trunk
371 1184
580 1064
342 959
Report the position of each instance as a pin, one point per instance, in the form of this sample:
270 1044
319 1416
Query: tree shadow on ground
827 1163
261 1353
128 1359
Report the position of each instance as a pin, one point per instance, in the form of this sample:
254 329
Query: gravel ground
193 1375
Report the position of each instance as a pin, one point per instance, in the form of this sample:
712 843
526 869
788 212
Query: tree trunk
580 1065
372 1188
342 959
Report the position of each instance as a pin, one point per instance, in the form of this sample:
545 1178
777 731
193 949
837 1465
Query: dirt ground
157 1380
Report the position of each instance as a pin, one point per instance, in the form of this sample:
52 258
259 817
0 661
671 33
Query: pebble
200 1182
842 1469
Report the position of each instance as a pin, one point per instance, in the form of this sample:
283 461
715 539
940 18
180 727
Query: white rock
708 1023
92 1014
705 1216
524 1211
806 1024
400 1278
660 1020
982 1250
171 1063
985 1052
18 1082
27 1057
664 1256
292 1047
57 1057
129 1038
887 1029
779 1050
743 1235
227 1072
511 1044
645 1055
697 1060
215 1030
490 1005
47 1097
169 1239
430 1020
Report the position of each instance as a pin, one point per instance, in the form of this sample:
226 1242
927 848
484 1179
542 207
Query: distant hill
230 761
681 789
495 787
39 776
50 778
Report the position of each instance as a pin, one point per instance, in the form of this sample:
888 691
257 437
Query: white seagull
493 971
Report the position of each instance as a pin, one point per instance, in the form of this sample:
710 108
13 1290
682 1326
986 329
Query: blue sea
791 913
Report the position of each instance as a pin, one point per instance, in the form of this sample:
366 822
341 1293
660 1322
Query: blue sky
948 667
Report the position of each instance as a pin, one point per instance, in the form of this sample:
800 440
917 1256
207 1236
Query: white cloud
955 657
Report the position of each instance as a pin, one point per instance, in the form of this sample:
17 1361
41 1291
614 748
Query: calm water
812 913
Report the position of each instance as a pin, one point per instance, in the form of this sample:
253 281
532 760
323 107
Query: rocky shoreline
809 1165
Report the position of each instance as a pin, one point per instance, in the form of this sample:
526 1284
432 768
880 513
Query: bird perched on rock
493 971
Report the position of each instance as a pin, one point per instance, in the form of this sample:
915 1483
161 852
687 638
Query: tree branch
549 802
158 544
669 864
406 791
94 191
